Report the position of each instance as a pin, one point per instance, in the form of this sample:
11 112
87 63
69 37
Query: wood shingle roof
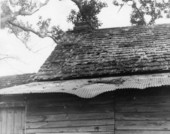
109 52
15 80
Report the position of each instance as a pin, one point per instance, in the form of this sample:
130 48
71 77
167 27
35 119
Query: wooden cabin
106 81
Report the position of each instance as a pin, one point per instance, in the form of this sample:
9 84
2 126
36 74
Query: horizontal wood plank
79 133
63 117
142 99
52 102
70 123
140 132
151 116
107 128
64 133
142 125
67 98
92 116
38 110
143 108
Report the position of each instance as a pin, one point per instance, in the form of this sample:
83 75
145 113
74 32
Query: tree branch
5 56
8 18
14 14
22 13
28 29
78 3
137 9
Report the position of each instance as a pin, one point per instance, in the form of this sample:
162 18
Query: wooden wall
143 112
12 121
70 114
121 112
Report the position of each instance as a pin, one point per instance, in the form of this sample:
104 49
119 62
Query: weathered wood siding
70 114
143 112
120 112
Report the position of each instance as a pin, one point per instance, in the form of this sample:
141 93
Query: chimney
82 27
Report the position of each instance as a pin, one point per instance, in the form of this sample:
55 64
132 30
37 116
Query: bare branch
23 43
121 6
133 6
27 29
5 56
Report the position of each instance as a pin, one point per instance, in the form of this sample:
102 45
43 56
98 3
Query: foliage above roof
109 52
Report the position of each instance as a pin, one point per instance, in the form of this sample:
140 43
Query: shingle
15 80
109 52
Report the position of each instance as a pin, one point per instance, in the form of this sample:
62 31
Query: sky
26 61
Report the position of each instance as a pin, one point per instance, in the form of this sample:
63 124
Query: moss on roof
15 80
109 52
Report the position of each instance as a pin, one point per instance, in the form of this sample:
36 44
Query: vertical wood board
12 121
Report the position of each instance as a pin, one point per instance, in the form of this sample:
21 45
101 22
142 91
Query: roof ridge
110 52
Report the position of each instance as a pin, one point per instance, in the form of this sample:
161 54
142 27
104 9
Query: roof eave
89 88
